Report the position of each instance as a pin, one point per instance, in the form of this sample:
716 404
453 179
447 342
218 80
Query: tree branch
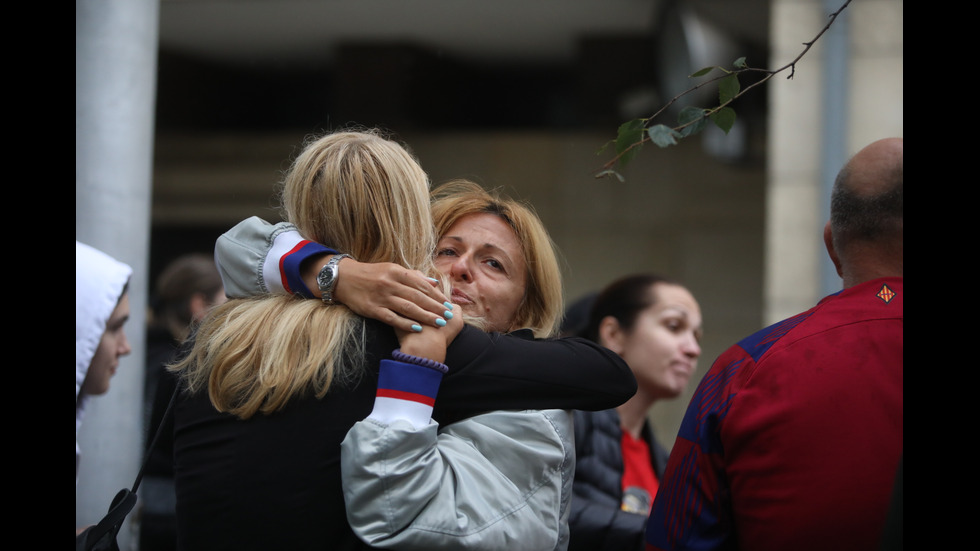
607 168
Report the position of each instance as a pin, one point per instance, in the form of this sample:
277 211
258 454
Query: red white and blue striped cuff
405 391
281 269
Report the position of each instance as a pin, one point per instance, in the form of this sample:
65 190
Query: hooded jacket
99 283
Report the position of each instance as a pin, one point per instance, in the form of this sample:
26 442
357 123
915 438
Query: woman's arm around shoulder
493 371
255 257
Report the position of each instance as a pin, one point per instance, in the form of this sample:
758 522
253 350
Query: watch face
326 276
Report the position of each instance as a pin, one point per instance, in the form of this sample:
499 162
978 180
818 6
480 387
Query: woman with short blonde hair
541 308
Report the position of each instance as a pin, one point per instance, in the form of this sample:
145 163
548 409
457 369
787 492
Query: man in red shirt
794 436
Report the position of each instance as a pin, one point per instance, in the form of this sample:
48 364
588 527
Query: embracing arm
256 257
492 371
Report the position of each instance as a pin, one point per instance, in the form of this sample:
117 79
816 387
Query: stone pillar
115 86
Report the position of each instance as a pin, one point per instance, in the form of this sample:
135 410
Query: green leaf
692 119
629 133
663 136
740 63
702 72
728 88
724 118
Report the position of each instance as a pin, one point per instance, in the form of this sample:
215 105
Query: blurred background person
184 292
654 324
101 311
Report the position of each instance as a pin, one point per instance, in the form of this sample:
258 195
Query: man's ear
828 241
611 335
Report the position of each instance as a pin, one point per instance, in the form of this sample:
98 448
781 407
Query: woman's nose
461 269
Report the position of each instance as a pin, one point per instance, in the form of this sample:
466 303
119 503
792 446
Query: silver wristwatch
327 278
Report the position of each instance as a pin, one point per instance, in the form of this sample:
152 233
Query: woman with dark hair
654 324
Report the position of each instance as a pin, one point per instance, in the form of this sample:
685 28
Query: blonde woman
276 382
495 481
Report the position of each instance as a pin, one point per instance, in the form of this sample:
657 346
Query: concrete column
115 89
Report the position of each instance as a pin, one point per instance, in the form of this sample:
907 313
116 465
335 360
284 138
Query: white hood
99 282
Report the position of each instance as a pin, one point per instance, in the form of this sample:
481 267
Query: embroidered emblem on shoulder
885 293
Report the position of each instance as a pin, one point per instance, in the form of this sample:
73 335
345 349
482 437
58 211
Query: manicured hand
404 299
431 343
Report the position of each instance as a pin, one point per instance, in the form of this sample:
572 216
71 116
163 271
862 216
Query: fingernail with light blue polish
433 280
447 314
440 322
448 305
417 328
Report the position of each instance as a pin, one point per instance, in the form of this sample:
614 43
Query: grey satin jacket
502 480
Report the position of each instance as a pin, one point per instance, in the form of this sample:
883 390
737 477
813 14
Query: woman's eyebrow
487 246
496 250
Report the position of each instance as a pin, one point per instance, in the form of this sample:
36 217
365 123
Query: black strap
124 501
109 526
156 436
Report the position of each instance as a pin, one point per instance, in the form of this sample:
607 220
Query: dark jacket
596 522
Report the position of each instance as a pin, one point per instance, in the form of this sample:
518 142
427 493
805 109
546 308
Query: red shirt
639 481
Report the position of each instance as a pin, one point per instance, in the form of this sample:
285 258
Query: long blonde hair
541 308
363 194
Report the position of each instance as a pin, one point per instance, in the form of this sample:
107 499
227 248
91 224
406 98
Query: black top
273 481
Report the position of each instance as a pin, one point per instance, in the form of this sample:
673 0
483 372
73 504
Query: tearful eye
445 252
495 265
